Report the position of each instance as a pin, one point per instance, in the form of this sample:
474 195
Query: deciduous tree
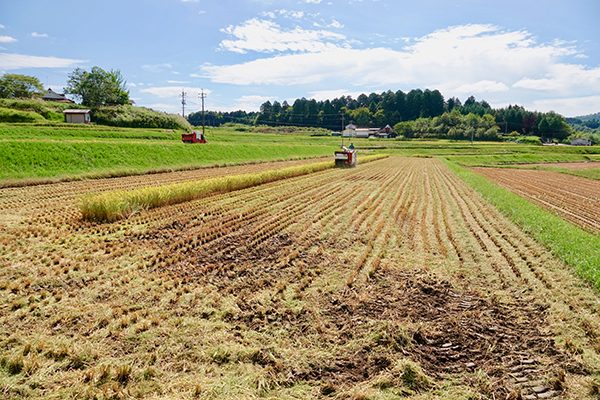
98 87
19 86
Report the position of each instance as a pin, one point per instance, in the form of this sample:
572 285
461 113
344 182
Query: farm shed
361 132
350 131
51 95
582 141
77 116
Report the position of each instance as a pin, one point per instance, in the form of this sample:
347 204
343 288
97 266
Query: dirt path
390 279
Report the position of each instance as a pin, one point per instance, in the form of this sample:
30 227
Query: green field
64 152
36 152
302 282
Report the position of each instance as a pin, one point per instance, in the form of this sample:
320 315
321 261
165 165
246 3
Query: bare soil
574 198
390 279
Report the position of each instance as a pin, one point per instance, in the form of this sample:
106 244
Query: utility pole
342 130
183 103
202 96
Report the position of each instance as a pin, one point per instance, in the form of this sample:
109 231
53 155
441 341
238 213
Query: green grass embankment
571 244
516 158
119 204
48 159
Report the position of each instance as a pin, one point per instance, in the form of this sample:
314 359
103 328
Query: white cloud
570 107
482 87
174 92
313 1
323 95
249 103
179 82
266 36
287 14
457 60
170 108
1 26
336 24
40 35
17 61
269 14
156 67
564 79
7 39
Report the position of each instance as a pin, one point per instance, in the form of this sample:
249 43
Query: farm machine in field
345 158
194 137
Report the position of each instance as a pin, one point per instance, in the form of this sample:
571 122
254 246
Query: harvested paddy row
42 200
575 199
390 279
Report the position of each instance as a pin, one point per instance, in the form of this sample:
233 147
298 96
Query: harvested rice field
576 199
392 279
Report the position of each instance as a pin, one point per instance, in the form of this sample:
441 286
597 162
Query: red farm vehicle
194 137
345 158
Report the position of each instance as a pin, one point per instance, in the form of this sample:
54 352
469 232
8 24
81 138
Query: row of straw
112 206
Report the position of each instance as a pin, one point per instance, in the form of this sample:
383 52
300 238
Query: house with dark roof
51 95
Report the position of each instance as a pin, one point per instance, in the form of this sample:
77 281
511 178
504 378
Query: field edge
571 244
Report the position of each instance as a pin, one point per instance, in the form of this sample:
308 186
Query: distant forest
420 112
217 118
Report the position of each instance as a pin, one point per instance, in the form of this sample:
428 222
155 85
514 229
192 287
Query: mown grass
584 173
59 151
64 131
120 204
569 243
42 159
592 173
515 158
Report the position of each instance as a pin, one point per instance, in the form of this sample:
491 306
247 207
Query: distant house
350 131
383 133
387 132
51 95
77 116
582 141
361 133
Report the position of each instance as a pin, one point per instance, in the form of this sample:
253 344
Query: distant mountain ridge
588 117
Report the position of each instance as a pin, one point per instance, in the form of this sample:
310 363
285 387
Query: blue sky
542 54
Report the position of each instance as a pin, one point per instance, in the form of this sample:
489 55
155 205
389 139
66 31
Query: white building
77 116
350 131
582 141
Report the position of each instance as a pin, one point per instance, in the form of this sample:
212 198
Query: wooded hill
391 108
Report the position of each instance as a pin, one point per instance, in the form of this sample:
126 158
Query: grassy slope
34 152
584 173
40 152
569 243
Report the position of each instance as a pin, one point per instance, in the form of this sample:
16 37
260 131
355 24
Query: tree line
420 113
218 118
416 110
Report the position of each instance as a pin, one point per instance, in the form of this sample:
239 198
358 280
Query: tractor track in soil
399 250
